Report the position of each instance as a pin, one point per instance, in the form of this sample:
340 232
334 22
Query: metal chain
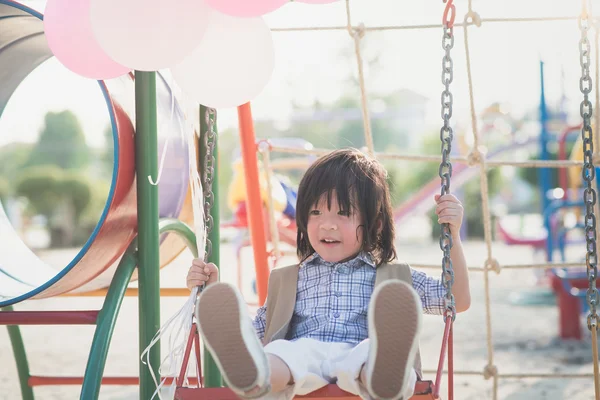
445 170
210 138
588 171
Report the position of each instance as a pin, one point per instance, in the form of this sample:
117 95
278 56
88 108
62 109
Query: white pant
315 364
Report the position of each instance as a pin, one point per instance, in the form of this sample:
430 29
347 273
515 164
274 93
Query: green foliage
46 187
12 159
91 214
531 175
41 187
61 196
473 203
228 142
107 157
4 189
77 190
61 143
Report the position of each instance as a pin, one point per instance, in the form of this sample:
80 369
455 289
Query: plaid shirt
332 299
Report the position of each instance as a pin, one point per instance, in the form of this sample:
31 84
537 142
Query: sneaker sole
219 318
396 313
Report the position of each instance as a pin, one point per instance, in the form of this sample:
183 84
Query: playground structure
145 251
566 284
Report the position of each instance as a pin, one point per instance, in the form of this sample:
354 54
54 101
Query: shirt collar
363 257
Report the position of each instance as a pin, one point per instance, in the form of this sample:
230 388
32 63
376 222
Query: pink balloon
148 35
316 1
245 8
69 35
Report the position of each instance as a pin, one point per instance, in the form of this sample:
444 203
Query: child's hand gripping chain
201 273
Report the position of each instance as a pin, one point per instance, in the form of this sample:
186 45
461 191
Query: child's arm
450 211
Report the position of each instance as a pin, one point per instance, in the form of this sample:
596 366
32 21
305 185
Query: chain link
445 170
210 138
588 171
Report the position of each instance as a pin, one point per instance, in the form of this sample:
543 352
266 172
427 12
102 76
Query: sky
310 66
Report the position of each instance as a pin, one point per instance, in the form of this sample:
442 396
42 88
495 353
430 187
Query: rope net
469 23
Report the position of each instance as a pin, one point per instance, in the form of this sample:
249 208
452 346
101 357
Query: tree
12 158
58 195
61 143
4 189
107 158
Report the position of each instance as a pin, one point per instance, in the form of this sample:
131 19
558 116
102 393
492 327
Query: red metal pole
451 363
562 156
440 369
186 356
254 204
569 310
48 317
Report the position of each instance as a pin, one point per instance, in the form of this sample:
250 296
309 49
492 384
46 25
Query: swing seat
423 391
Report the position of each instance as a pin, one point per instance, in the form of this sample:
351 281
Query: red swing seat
424 390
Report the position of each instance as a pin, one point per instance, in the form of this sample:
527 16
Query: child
339 316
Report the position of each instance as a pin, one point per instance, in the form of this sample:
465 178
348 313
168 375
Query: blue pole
544 173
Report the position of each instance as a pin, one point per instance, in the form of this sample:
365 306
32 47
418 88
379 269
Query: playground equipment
111 253
148 240
566 284
117 224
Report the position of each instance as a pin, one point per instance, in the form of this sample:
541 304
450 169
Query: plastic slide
422 201
22 274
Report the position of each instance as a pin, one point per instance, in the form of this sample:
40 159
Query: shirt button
338 294
336 315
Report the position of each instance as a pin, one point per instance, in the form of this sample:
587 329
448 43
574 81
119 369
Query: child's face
334 233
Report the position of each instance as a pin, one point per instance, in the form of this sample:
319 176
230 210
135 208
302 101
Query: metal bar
438 373
18 347
38 380
595 357
186 355
451 363
146 143
48 317
107 320
132 292
212 374
253 201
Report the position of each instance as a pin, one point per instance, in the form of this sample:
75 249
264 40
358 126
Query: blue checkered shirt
332 299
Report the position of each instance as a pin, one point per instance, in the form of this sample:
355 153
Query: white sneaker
394 327
230 337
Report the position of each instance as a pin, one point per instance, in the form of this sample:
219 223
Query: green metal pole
107 317
212 375
105 325
146 160
20 358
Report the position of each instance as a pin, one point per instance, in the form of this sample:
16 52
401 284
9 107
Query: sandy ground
524 338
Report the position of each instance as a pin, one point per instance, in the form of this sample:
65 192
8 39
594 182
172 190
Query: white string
179 325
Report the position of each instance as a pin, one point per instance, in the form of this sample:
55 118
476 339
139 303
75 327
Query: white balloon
148 35
232 64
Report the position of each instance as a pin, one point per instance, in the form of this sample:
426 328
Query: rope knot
357 32
475 157
493 265
264 145
472 18
490 371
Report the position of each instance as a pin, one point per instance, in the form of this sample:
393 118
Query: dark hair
360 184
